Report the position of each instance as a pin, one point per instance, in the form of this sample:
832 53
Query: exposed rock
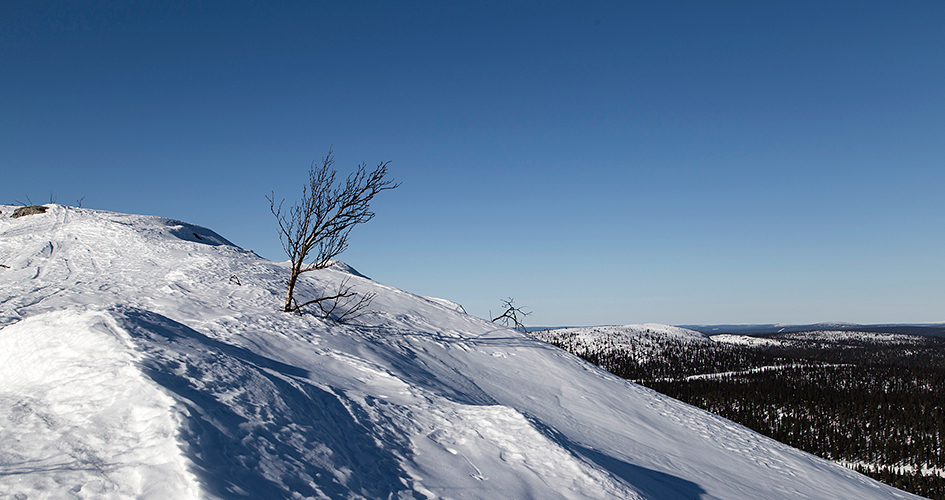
30 210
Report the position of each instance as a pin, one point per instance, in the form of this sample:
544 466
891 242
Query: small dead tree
345 304
512 315
315 230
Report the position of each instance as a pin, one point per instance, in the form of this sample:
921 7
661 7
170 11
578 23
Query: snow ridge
142 357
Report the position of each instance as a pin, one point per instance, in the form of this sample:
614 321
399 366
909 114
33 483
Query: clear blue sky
602 163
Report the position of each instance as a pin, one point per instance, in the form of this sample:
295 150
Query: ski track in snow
133 366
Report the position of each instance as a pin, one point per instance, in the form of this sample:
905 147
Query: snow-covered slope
142 357
645 342
651 330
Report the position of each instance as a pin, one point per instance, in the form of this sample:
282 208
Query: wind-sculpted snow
146 358
78 419
259 428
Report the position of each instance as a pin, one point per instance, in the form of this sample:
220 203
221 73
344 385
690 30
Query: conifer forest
872 401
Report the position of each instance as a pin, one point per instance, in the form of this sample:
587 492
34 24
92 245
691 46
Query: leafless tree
345 304
315 231
512 315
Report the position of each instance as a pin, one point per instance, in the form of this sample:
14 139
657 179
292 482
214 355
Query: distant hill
928 330
869 400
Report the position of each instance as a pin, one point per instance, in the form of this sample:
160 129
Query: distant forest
872 403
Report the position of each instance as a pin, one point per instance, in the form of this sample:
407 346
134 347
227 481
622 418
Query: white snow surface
746 340
644 342
653 329
132 365
841 336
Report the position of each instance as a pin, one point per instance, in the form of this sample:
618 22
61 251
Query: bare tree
512 314
345 304
315 231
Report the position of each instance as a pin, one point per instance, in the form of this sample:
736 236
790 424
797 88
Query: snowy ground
745 340
645 342
132 365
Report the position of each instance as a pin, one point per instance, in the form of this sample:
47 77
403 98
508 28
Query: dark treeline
874 406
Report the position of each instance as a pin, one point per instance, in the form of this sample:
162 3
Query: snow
653 329
843 336
746 340
142 357
647 341
831 337
751 371
78 416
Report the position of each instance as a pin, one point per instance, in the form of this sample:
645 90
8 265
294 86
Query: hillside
925 330
650 352
143 357
870 400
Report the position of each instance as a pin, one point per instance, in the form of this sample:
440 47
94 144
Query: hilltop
144 357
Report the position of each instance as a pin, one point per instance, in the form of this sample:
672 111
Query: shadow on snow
257 428
651 484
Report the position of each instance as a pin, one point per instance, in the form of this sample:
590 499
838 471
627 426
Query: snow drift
142 357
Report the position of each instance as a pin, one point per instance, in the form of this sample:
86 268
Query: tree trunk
293 277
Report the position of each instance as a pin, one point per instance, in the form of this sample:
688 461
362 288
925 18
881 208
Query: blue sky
602 163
